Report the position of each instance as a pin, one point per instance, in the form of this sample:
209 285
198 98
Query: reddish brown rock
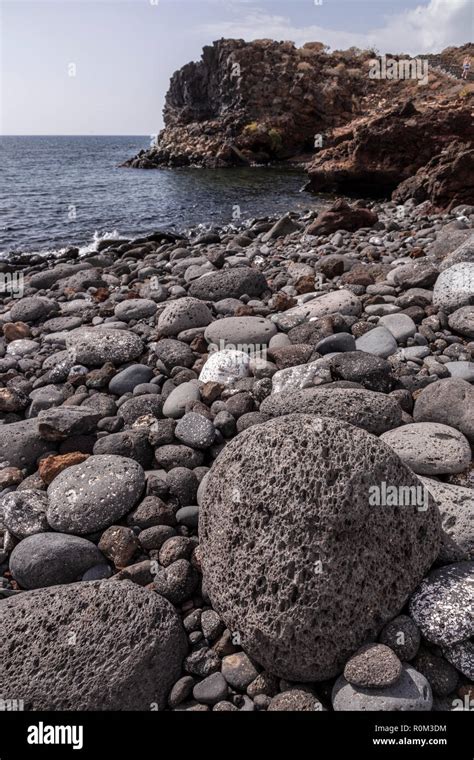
16 331
54 464
341 216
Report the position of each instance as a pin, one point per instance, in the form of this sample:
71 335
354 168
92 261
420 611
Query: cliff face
255 102
262 101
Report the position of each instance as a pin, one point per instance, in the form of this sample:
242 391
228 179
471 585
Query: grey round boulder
411 692
462 321
379 342
20 444
430 448
47 559
33 309
94 494
135 308
94 347
24 512
228 283
126 380
449 401
287 524
454 287
375 412
237 331
80 633
442 605
195 430
183 314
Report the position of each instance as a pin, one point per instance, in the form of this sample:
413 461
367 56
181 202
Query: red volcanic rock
341 216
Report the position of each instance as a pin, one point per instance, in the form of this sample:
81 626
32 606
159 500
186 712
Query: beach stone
441 676
379 342
225 367
45 398
22 348
373 372
411 692
118 544
141 406
228 283
196 431
461 370
337 302
375 412
173 455
430 448
177 581
416 274
456 507
183 394
337 342
33 309
47 559
20 444
107 619
128 443
295 700
183 314
12 400
374 666
126 380
135 308
401 326
211 690
449 401
24 512
93 347
461 655
301 376
59 423
174 353
238 670
402 636
51 466
454 287
248 331
442 605
95 494
277 499
461 321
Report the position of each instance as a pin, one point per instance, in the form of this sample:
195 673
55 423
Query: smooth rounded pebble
24 512
449 401
430 448
47 559
454 287
101 645
379 342
411 692
183 314
94 494
290 538
254 332
225 367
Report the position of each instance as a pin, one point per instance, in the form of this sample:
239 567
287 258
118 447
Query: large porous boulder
100 646
229 283
47 559
375 412
296 555
94 347
20 444
94 494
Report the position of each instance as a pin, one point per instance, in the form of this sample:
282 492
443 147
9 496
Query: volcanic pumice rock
294 556
94 347
100 645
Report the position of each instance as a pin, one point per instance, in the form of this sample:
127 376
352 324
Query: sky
102 67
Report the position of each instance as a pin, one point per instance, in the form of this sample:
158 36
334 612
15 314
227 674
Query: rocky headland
247 103
236 466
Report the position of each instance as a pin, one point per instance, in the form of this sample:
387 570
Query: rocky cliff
255 102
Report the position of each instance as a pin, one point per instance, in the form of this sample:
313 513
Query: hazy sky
123 52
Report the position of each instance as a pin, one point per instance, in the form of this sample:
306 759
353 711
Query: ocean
62 191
